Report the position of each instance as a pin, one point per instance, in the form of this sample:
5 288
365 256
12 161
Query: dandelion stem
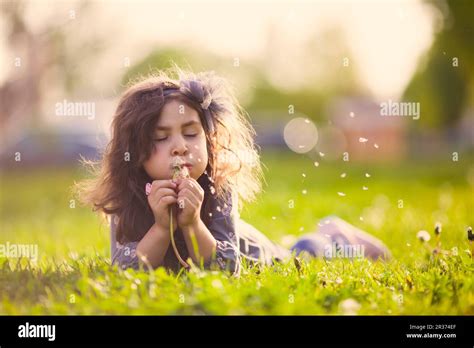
173 243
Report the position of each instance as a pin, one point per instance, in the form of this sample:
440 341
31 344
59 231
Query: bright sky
386 38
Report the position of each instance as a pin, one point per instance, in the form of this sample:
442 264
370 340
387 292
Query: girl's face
178 133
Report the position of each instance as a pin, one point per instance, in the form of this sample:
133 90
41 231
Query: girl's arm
205 243
153 246
227 256
214 241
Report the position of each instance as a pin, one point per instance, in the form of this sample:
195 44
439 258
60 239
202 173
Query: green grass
73 275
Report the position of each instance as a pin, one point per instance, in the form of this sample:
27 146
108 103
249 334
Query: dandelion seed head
423 236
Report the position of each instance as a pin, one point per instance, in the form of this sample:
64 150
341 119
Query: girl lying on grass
180 163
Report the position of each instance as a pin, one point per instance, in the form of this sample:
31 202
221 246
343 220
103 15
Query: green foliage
73 274
444 82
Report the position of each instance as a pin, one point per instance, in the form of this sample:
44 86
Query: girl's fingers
189 197
191 183
193 186
157 184
167 200
186 202
155 196
165 192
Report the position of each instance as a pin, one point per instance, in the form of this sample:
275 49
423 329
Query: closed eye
186 135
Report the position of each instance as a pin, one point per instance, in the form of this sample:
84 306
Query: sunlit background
326 59
362 109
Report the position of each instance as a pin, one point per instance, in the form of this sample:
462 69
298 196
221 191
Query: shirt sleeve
124 255
222 226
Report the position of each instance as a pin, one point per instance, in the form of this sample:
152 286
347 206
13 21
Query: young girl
194 119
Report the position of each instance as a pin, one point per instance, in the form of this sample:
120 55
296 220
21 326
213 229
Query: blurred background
313 76
333 62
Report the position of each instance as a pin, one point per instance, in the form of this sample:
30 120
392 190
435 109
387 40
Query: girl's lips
173 165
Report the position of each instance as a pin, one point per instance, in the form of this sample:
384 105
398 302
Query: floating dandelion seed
361 218
343 175
365 188
321 154
363 140
351 114
304 175
273 217
304 192
342 194
376 146
367 175
423 236
301 228
316 164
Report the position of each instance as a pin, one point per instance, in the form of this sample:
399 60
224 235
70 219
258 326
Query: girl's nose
179 147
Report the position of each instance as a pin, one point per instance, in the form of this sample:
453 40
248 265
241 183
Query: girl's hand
161 196
190 197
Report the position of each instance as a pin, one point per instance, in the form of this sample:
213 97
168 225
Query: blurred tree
444 82
42 53
259 89
324 68
164 57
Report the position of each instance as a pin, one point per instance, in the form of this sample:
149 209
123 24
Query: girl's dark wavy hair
118 179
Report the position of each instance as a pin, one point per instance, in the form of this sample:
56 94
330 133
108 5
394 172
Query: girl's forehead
175 112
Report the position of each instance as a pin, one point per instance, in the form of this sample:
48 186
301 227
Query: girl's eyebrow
190 123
